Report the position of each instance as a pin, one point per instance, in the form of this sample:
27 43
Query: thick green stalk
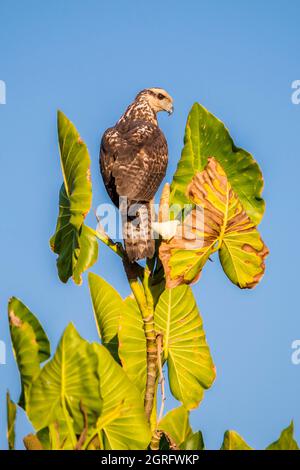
144 300
155 440
104 238
151 363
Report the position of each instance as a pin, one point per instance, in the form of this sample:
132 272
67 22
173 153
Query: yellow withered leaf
218 222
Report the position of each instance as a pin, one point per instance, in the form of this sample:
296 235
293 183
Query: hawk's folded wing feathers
133 161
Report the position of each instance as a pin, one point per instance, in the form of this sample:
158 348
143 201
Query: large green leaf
132 344
30 343
108 306
69 379
190 366
206 136
128 428
11 412
286 440
120 327
176 427
88 253
194 442
233 441
75 244
55 437
217 222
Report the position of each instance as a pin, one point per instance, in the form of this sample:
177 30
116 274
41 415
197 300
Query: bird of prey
133 162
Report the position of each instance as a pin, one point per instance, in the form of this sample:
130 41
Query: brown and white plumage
133 162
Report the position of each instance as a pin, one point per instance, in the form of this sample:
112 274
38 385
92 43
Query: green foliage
107 305
286 440
194 442
120 327
233 441
177 430
11 413
75 244
82 386
132 344
97 396
64 382
190 366
88 253
206 136
116 391
30 344
218 222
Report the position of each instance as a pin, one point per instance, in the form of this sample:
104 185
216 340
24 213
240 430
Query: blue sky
89 58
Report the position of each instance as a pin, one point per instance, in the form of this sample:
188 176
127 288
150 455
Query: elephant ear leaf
30 344
66 383
120 328
132 347
206 136
218 222
233 441
176 426
75 244
11 412
286 440
190 366
177 431
123 422
88 253
194 442
107 306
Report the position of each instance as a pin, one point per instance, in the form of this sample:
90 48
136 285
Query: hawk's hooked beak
171 110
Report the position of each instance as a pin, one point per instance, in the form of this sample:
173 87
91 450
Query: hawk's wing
133 162
109 140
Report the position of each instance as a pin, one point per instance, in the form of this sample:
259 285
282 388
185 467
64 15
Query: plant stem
104 238
84 432
155 440
151 364
144 300
161 376
102 422
116 247
154 445
31 442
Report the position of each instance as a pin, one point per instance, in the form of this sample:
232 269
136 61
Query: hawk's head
158 99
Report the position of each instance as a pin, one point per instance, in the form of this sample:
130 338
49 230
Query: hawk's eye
160 96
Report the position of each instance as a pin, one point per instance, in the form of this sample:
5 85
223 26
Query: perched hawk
133 162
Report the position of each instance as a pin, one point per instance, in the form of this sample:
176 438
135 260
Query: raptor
133 163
